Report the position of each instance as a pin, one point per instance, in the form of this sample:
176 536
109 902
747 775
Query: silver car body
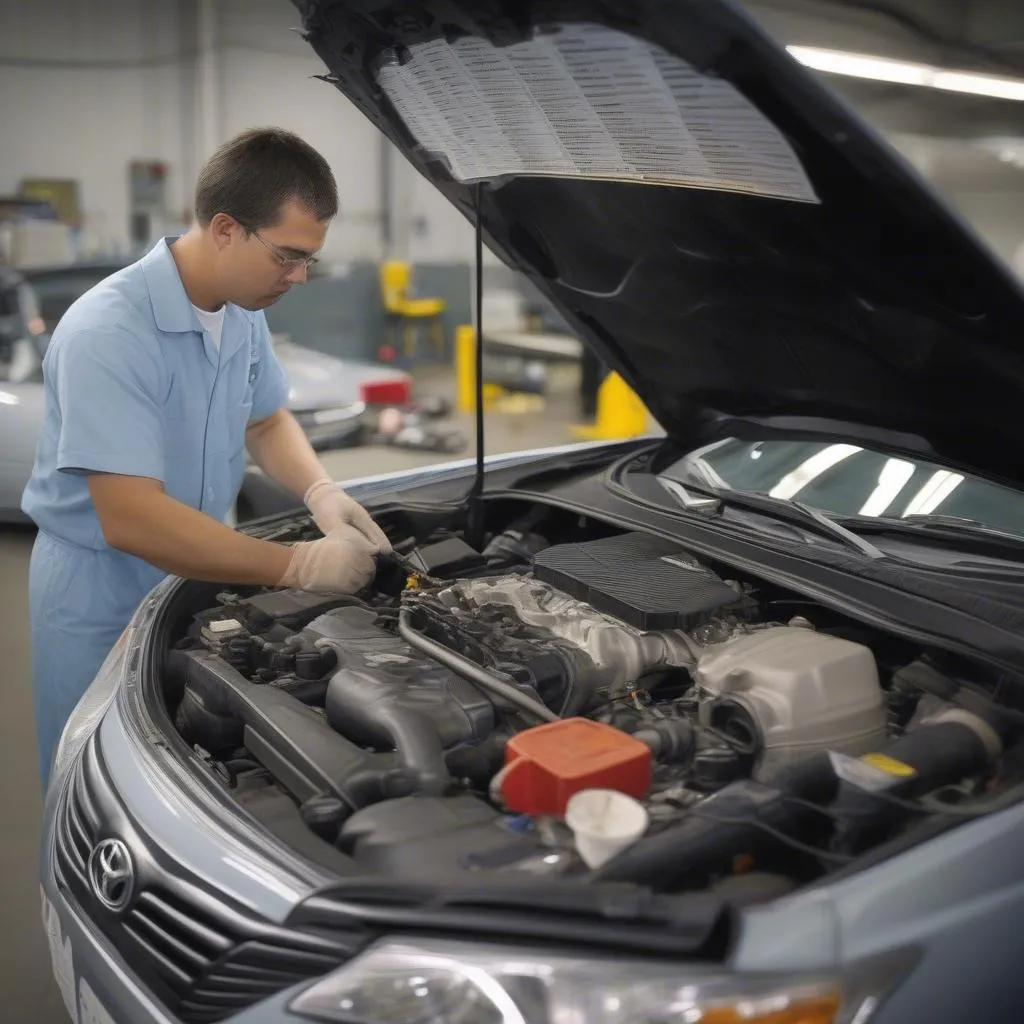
883 914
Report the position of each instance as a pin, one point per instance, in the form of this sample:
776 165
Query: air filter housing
647 582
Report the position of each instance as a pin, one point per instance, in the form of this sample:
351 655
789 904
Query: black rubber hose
933 755
732 821
671 741
469 670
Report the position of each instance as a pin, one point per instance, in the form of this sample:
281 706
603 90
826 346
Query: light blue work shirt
134 386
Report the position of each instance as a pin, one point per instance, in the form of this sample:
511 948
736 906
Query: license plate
82 1004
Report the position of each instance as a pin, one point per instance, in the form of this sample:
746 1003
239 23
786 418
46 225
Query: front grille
77 830
201 955
217 962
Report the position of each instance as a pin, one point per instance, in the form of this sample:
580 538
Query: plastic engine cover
647 582
805 691
387 694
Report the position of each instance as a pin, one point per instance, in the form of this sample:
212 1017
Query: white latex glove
339 563
332 507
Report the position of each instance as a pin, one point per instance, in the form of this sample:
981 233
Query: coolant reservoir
803 691
547 765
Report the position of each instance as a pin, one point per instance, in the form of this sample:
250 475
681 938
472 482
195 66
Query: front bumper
97 986
92 981
330 429
181 948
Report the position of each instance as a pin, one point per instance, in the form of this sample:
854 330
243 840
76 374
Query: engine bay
608 706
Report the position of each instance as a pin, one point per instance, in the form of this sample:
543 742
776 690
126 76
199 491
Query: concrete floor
26 987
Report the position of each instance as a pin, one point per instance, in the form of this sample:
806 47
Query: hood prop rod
475 517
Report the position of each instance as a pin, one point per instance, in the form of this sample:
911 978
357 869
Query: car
23 342
609 736
330 397
57 287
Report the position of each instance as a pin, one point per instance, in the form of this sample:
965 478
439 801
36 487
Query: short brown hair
254 174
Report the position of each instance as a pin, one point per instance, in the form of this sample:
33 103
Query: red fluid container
546 765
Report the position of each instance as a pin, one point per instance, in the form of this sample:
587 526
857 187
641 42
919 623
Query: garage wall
998 218
87 86
101 82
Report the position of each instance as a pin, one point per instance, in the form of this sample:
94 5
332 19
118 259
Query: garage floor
27 992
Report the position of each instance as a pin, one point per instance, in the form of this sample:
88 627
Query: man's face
257 268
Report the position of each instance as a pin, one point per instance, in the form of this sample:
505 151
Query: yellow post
620 414
465 367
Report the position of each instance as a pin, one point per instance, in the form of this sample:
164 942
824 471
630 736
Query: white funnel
604 823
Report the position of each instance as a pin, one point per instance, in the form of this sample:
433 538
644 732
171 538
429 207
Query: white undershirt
213 323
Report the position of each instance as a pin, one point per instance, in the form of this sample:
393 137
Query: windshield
850 481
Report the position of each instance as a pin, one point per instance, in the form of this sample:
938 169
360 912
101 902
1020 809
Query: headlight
437 982
89 711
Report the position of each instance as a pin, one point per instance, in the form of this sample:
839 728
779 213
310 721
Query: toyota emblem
111 873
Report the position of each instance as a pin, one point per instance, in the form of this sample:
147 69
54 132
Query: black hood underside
861 309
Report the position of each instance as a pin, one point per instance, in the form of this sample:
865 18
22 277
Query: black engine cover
647 582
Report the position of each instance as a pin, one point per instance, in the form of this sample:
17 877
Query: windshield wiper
943 527
708 500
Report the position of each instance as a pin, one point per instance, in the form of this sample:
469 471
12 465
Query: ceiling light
979 85
856 65
883 69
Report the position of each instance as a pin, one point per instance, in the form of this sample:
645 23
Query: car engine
441 724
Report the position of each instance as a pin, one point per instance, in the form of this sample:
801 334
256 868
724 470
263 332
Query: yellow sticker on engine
889 765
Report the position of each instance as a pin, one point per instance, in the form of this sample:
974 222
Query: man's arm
110 387
279 446
137 517
281 449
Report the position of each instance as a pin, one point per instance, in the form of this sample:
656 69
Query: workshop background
109 108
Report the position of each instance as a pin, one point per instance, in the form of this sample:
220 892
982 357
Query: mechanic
157 381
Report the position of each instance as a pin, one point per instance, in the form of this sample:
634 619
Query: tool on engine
414 576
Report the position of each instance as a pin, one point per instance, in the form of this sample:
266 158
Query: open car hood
723 230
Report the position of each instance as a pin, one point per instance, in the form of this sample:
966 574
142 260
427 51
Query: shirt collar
172 308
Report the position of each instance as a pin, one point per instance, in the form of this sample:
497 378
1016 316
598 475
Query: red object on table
386 392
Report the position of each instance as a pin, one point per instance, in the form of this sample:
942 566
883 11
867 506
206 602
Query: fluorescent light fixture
979 85
856 65
883 69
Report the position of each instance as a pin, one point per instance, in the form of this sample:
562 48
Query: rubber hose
699 845
669 741
937 753
472 672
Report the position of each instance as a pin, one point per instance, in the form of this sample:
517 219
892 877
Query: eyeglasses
290 262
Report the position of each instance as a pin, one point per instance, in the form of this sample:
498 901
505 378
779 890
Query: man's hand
279 447
341 562
332 507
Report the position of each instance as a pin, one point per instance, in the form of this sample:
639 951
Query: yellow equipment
407 314
620 414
